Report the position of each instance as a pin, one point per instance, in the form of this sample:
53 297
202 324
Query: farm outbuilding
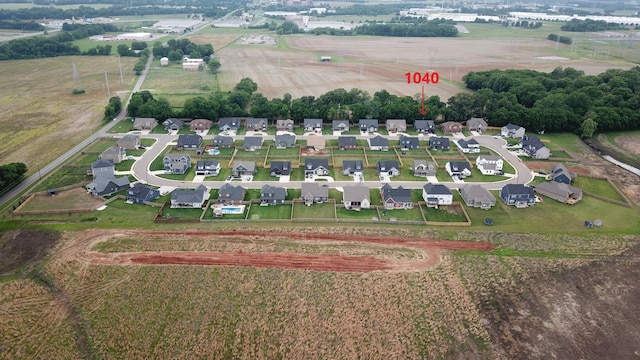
164 61
325 58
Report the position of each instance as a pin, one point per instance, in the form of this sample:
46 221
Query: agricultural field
38 92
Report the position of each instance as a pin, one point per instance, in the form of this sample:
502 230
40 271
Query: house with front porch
314 193
313 125
396 125
316 167
512 131
256 124
352 167
477 196
489 164
439 143
284 125
378 143
425 126
243 168
368 126
207 168
356 197
396 198
423 168
451 127
459 169
231 124
340 125
518 195
280 168
468 146
388 168
476 124
176 163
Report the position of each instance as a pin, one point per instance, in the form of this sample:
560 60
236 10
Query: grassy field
38 92
270 212
322 211
598 187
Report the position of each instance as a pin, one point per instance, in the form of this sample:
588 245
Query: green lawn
494 31
269 212
356 151
123 126
124 165
403 214
66 175
552 216
187 176
320 211
597 186
284 152
363 214
476 176
262 174
444 214
170 213
560 141
374 195
120 214
100 145
86 159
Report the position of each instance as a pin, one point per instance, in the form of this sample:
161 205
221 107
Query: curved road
140 169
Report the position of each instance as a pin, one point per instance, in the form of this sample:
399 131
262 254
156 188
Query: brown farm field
41 118
376 63
96 296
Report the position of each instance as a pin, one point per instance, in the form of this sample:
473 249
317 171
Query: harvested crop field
520 301
376 63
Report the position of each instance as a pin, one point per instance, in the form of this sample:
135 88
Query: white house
436 194
489 164
512 131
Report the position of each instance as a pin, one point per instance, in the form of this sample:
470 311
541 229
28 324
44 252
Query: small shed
164 61
325 58
52 192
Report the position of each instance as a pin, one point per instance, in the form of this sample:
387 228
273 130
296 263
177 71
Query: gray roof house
103 169
560 191
489 164
129 142
461 169
189 142
115 153
243 168
356 197
284 125
317 167
388 168
173 124
313 125
368 125
346 142
423 168
252 143
477 196
408 142
314 193
207 167
468 146
379 143
223 142
200 124
512 131
439 143
559 173
256 124
177 163
396 125
285 141
436 194
340 125
229 124
352 167
231 195
140 193
106 186
398 198
144 123
189 198
476 124
272 195
534 148
425 126
280 168
518 194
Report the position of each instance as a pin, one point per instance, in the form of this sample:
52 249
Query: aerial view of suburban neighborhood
291 179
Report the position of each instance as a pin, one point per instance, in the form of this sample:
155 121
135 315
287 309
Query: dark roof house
340 125
477 196
280 168
223 142
368 125
559 173
398 198
388 168
252 143
312 193
229 124
439 143
189 142
229 194
285 141
408 142
352 167
140 193
272 195
425 126
256 124
346 142
518 194
189 198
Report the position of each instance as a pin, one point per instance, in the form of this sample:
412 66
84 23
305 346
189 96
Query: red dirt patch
430 249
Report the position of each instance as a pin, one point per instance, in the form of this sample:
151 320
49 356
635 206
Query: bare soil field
77 198
429 250
373 64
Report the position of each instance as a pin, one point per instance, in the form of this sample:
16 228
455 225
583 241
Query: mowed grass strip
315 211
363 214
444 214
597 186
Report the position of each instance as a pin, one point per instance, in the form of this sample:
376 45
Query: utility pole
120 64
107 79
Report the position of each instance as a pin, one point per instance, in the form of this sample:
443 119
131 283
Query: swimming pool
228 209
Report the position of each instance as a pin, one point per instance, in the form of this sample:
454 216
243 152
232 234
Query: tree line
589 25
21 25
560 101
565 100
56 45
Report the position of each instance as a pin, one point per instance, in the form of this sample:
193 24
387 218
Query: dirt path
82 243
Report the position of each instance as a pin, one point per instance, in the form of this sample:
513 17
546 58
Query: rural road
140 168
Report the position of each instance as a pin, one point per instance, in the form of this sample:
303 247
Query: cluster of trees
57 45
562 39
138 68
113 108
558 101
104 50
21 25
176 49
11 175
589 25
432 28
244 101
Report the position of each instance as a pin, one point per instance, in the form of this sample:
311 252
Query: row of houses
316 125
